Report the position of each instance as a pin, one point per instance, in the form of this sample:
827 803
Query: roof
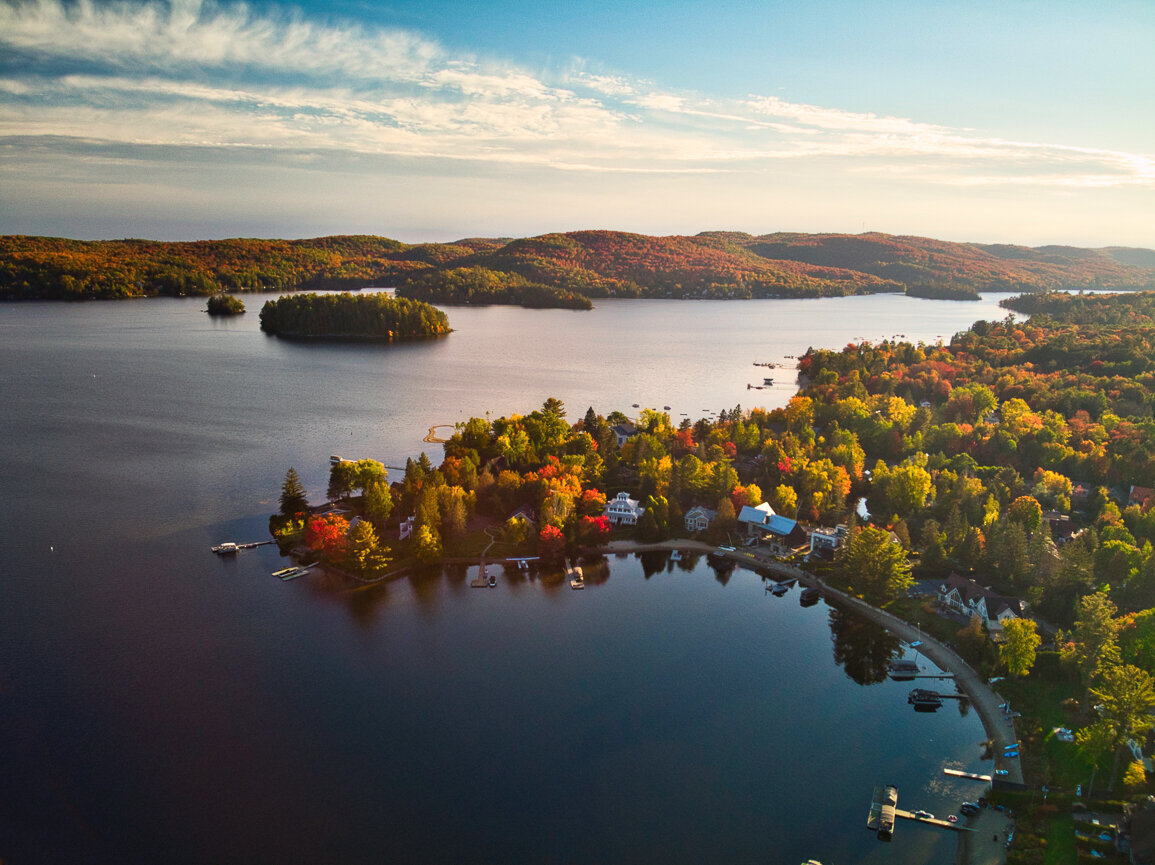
969 591
759 515
780 525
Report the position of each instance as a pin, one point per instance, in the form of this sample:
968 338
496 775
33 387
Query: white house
698 518
969 598
622 510
826 541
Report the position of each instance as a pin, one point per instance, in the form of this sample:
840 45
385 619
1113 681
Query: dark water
160 704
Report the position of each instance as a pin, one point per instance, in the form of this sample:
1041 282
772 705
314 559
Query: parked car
970 809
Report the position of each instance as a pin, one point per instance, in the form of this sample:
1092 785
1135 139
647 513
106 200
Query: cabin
969 598
621 510
624 432
698 518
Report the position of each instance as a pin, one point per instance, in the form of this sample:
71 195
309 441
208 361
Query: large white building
621 510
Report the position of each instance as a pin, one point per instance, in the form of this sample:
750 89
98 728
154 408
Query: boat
283 571
882 811
924 700
676 556
779 589
768 380
665 408
809 597
900 670
492 580
228 548
577 583
334 459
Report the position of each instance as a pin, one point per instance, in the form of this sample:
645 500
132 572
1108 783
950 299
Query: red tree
594 531
327 535
551 543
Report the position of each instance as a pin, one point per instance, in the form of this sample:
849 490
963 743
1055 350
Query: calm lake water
158 703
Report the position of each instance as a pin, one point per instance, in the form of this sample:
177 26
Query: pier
228 547
931 821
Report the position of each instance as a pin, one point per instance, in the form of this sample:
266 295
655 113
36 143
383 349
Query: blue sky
1021 122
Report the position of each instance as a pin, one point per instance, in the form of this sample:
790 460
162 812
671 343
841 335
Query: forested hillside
562 269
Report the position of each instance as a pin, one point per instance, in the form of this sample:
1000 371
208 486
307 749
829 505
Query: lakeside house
763 523
967 597
825 542
621 510
698 518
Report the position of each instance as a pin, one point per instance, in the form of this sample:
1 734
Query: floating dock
974 776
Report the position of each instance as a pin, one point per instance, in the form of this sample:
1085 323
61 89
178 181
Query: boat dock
974 776
484 580
229 547
931 821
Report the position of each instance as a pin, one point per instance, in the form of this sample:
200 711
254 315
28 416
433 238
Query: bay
157 702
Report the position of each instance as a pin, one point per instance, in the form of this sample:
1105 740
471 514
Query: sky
1008 121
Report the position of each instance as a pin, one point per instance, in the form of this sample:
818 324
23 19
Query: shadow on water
862 648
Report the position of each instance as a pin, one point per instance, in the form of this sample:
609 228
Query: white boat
284 571
228 548
676 556
292 573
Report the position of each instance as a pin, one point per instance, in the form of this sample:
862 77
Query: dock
974 776
228 547
483 580
931 821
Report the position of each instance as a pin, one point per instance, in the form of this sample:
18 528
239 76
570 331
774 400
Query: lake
158 703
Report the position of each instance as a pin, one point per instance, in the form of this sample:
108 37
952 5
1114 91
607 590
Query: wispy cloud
190 74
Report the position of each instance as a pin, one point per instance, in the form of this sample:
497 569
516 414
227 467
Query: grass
1061 848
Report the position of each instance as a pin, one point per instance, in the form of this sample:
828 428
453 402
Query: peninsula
1009 473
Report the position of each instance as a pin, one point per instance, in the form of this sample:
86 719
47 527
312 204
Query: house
762 522
624 432
1080 493
406 528
823 542
1062 528
621 510
698 518
969 598
1141 496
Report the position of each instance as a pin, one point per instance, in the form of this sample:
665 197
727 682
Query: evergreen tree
293 499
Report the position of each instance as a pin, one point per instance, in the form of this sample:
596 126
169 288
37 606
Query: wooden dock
958 773
483 579
932 821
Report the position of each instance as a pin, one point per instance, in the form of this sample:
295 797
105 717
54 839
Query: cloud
187 74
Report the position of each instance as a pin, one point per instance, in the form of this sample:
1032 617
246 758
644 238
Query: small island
347 316
225 305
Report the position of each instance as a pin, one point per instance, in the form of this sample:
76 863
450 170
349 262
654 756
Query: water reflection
862 648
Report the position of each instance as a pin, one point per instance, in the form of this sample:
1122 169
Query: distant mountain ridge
592 263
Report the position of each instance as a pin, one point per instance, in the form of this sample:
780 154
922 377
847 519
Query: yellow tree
1018 652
